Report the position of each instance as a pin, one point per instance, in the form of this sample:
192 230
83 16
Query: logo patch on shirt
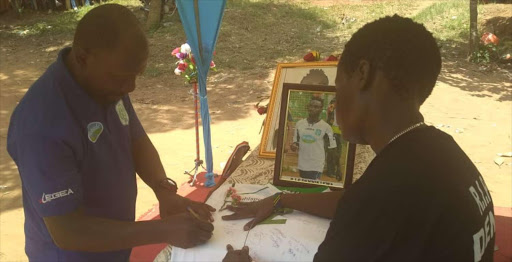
121 112
308 139
49 197
318 132
94 130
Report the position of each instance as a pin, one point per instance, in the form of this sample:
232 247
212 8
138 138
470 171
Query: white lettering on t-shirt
486 233
477 199
483 236
49 197
484 186
482 197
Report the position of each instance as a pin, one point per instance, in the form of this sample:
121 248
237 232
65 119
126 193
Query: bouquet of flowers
186 65
235 198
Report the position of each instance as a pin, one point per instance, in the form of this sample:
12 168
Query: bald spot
110 27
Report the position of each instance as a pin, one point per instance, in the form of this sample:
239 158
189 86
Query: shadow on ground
480 80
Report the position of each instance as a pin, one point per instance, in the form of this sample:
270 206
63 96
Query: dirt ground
471 103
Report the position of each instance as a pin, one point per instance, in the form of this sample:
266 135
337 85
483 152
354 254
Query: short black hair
315 77
314 98
405 51
104 27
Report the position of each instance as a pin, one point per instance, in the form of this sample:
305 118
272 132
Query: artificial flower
185 48
312 56
331 58
181 55
186 65
230 191
262 110
489 38
182 66
236 199
176 51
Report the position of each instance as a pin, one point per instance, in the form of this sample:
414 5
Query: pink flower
175 51
230 192
212 64
236 198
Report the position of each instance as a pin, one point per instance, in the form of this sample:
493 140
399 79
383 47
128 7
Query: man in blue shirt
78 143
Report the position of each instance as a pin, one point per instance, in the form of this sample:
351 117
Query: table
256 170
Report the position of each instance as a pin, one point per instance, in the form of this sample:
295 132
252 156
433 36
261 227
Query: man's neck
379 134
313 119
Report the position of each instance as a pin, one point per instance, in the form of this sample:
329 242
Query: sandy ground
473 105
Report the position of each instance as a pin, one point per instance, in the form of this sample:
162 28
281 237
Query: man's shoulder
301 122
324 124
43 108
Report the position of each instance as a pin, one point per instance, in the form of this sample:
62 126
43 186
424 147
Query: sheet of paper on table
296 240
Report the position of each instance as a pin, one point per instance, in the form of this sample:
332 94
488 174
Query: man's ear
364 74
81 57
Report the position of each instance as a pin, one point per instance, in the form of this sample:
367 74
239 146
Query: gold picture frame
312 73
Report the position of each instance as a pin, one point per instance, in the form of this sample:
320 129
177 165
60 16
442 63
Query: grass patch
350 17
448 20
152 71
256 34
33 23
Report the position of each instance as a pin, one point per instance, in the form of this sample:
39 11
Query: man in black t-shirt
421 198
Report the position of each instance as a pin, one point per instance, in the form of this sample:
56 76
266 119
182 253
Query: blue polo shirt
72 152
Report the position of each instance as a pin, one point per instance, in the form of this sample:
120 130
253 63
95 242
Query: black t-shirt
421 199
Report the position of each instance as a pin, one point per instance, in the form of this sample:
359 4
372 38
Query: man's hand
241 255
176 204
294 146
260 210
185 231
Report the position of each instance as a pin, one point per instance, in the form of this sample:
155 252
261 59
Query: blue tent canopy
201 20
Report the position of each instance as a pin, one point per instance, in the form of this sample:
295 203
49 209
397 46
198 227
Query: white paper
296 240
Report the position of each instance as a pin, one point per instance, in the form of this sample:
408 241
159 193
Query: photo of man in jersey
309 140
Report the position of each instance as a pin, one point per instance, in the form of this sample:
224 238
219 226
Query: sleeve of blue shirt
136 129
49 172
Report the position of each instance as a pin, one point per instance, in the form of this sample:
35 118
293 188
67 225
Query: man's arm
318 204
75 231
148 165
330 136
149 168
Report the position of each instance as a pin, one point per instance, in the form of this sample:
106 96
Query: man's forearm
147 162
318 204
93 234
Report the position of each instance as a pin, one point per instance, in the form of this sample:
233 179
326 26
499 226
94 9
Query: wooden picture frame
322 163
313 73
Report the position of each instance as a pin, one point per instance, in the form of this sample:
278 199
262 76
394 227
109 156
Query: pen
194 214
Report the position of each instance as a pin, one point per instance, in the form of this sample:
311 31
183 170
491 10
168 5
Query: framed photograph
310 73
310 148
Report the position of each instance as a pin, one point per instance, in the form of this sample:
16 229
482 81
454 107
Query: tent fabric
208 14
